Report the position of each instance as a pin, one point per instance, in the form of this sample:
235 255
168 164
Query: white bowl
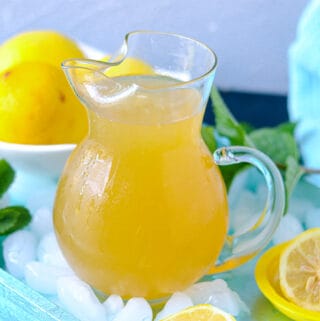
40 160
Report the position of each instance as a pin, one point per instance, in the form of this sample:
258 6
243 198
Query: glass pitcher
141 207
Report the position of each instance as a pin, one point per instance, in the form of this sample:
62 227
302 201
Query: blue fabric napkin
304 85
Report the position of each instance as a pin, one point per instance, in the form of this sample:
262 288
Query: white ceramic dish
42 160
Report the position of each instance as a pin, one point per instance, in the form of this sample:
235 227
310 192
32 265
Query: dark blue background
259 110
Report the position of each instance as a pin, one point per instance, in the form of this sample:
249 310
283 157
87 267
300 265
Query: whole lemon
37 106
43 46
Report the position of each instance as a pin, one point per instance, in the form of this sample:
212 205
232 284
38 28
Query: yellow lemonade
141 208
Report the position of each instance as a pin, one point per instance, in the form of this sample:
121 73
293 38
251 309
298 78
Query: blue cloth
304 85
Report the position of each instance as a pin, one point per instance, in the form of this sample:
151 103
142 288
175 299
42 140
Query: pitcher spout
152 63
90 81
84 74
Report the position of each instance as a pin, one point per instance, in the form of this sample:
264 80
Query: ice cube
238 185
202 292
19 248
113 305
261 193
299 207
312 218
218 294
49 251
43 277
288 228
79 299
245 211
42 223
177 302
136 309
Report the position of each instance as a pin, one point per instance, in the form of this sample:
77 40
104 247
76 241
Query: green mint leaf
276 143
207 133
288 127
292 176
7 221
13 218
226 124
247 127
6 176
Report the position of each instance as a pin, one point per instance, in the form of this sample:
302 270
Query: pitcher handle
239 248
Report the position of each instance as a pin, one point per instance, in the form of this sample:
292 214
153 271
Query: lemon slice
201 312
299 270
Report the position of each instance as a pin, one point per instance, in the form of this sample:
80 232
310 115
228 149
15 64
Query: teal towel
304 85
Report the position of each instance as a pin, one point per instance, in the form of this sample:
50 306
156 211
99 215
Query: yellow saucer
267 277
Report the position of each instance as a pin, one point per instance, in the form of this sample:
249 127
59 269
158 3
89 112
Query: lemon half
299 270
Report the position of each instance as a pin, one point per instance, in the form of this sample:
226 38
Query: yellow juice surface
141 208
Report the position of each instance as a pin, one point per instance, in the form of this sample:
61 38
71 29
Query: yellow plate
267 277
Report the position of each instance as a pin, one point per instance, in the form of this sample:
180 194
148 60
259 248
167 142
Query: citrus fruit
201 312
42 46
267 277
129 67
299 270
37 106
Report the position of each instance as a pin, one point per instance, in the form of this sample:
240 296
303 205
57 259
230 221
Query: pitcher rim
124 50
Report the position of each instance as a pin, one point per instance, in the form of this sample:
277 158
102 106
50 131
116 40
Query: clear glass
141 208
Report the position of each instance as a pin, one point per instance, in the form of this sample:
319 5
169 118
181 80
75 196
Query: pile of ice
247 202
302 214
33 256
